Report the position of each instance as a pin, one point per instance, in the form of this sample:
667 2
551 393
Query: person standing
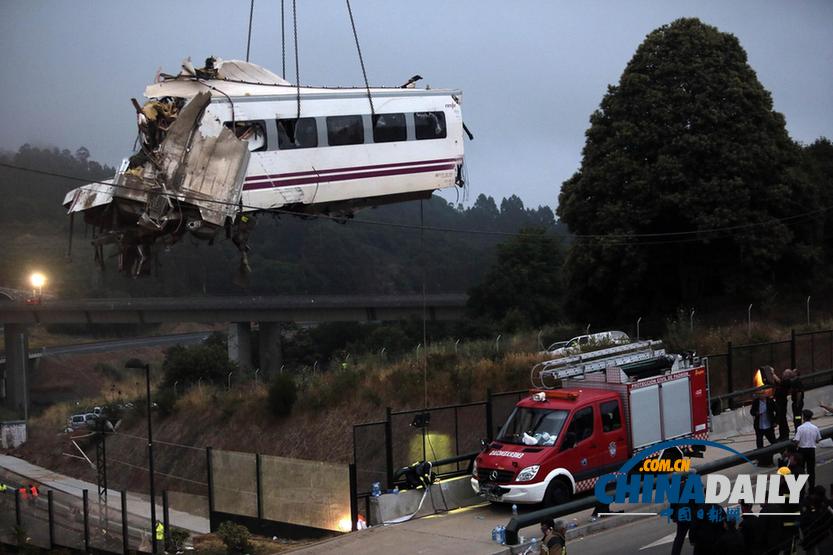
782 391
554 541
797 397
763 418
806 437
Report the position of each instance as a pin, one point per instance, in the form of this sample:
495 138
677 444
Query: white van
582 342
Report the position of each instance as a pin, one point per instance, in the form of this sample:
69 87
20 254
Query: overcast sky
531 71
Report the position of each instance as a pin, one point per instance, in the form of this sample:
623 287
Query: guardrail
535 517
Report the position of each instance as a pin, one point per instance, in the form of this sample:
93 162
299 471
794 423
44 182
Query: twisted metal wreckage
219 144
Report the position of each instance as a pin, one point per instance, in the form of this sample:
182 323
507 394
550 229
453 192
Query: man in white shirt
806 437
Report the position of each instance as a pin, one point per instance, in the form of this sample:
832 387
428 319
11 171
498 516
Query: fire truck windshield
533 426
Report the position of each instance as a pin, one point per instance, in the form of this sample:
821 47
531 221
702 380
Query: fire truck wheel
557 493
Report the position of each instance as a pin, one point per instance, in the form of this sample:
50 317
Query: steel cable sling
361 61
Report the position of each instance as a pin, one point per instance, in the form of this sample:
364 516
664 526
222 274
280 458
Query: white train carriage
233 138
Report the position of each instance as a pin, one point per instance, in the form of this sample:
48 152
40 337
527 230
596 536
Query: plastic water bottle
375 489
514 510
494 533
501 535
573 523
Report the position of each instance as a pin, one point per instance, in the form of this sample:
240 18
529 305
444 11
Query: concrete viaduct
239 312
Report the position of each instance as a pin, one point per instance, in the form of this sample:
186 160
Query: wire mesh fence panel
139 532
7 518
502 406
369 455
440 439
180 468
34 513
235 482
718 374
747 358
184 505
68 520
471 426
105 521
822 345
307 493
407 442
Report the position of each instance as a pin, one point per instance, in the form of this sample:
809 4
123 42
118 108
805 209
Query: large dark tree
686 144
524 285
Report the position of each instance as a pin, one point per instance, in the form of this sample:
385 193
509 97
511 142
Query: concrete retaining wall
739 421
456 493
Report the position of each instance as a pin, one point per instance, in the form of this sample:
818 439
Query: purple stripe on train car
349 168
345 177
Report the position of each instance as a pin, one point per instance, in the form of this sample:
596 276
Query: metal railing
536 517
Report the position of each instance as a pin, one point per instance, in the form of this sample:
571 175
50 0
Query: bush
178 537
165 401
235 536
282 395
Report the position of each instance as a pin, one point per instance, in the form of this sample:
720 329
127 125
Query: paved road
116 344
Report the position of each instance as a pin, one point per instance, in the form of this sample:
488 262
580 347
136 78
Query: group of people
778 528
770 406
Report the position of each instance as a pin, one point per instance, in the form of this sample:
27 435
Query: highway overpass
239 312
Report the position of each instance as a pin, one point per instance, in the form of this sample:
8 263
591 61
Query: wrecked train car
221 143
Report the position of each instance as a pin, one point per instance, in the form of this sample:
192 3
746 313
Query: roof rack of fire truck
577 366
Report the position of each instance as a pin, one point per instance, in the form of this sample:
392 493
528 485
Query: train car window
252 131
297 133
345 130
388 128
430 125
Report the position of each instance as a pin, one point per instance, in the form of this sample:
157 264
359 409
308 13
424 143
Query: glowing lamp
38 280
345 524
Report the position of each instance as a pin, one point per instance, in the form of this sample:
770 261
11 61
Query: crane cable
283 43
361 61
297 73
249 39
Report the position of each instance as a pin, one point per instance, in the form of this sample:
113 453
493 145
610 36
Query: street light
135 363
38 280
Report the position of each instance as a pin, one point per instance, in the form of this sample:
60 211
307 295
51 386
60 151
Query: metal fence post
18 519
259 486
210 481
125 544
388 447
50 508
729 385
85 499
489 426
354 501
166 521
813 352
792 349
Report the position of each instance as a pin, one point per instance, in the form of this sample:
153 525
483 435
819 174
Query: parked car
77 421
588 342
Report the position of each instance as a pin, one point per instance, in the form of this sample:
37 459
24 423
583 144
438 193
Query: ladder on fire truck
578 366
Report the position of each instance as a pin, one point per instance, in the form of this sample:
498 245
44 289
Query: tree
524 284
686 143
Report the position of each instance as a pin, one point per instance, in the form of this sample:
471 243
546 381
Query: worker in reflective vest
33 490
160 531
24 493
3 487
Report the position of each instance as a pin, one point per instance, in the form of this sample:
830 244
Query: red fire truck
587 415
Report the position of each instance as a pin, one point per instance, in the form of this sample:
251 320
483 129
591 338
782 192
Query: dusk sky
531 72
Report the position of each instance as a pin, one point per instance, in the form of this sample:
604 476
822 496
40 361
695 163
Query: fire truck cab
588 415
